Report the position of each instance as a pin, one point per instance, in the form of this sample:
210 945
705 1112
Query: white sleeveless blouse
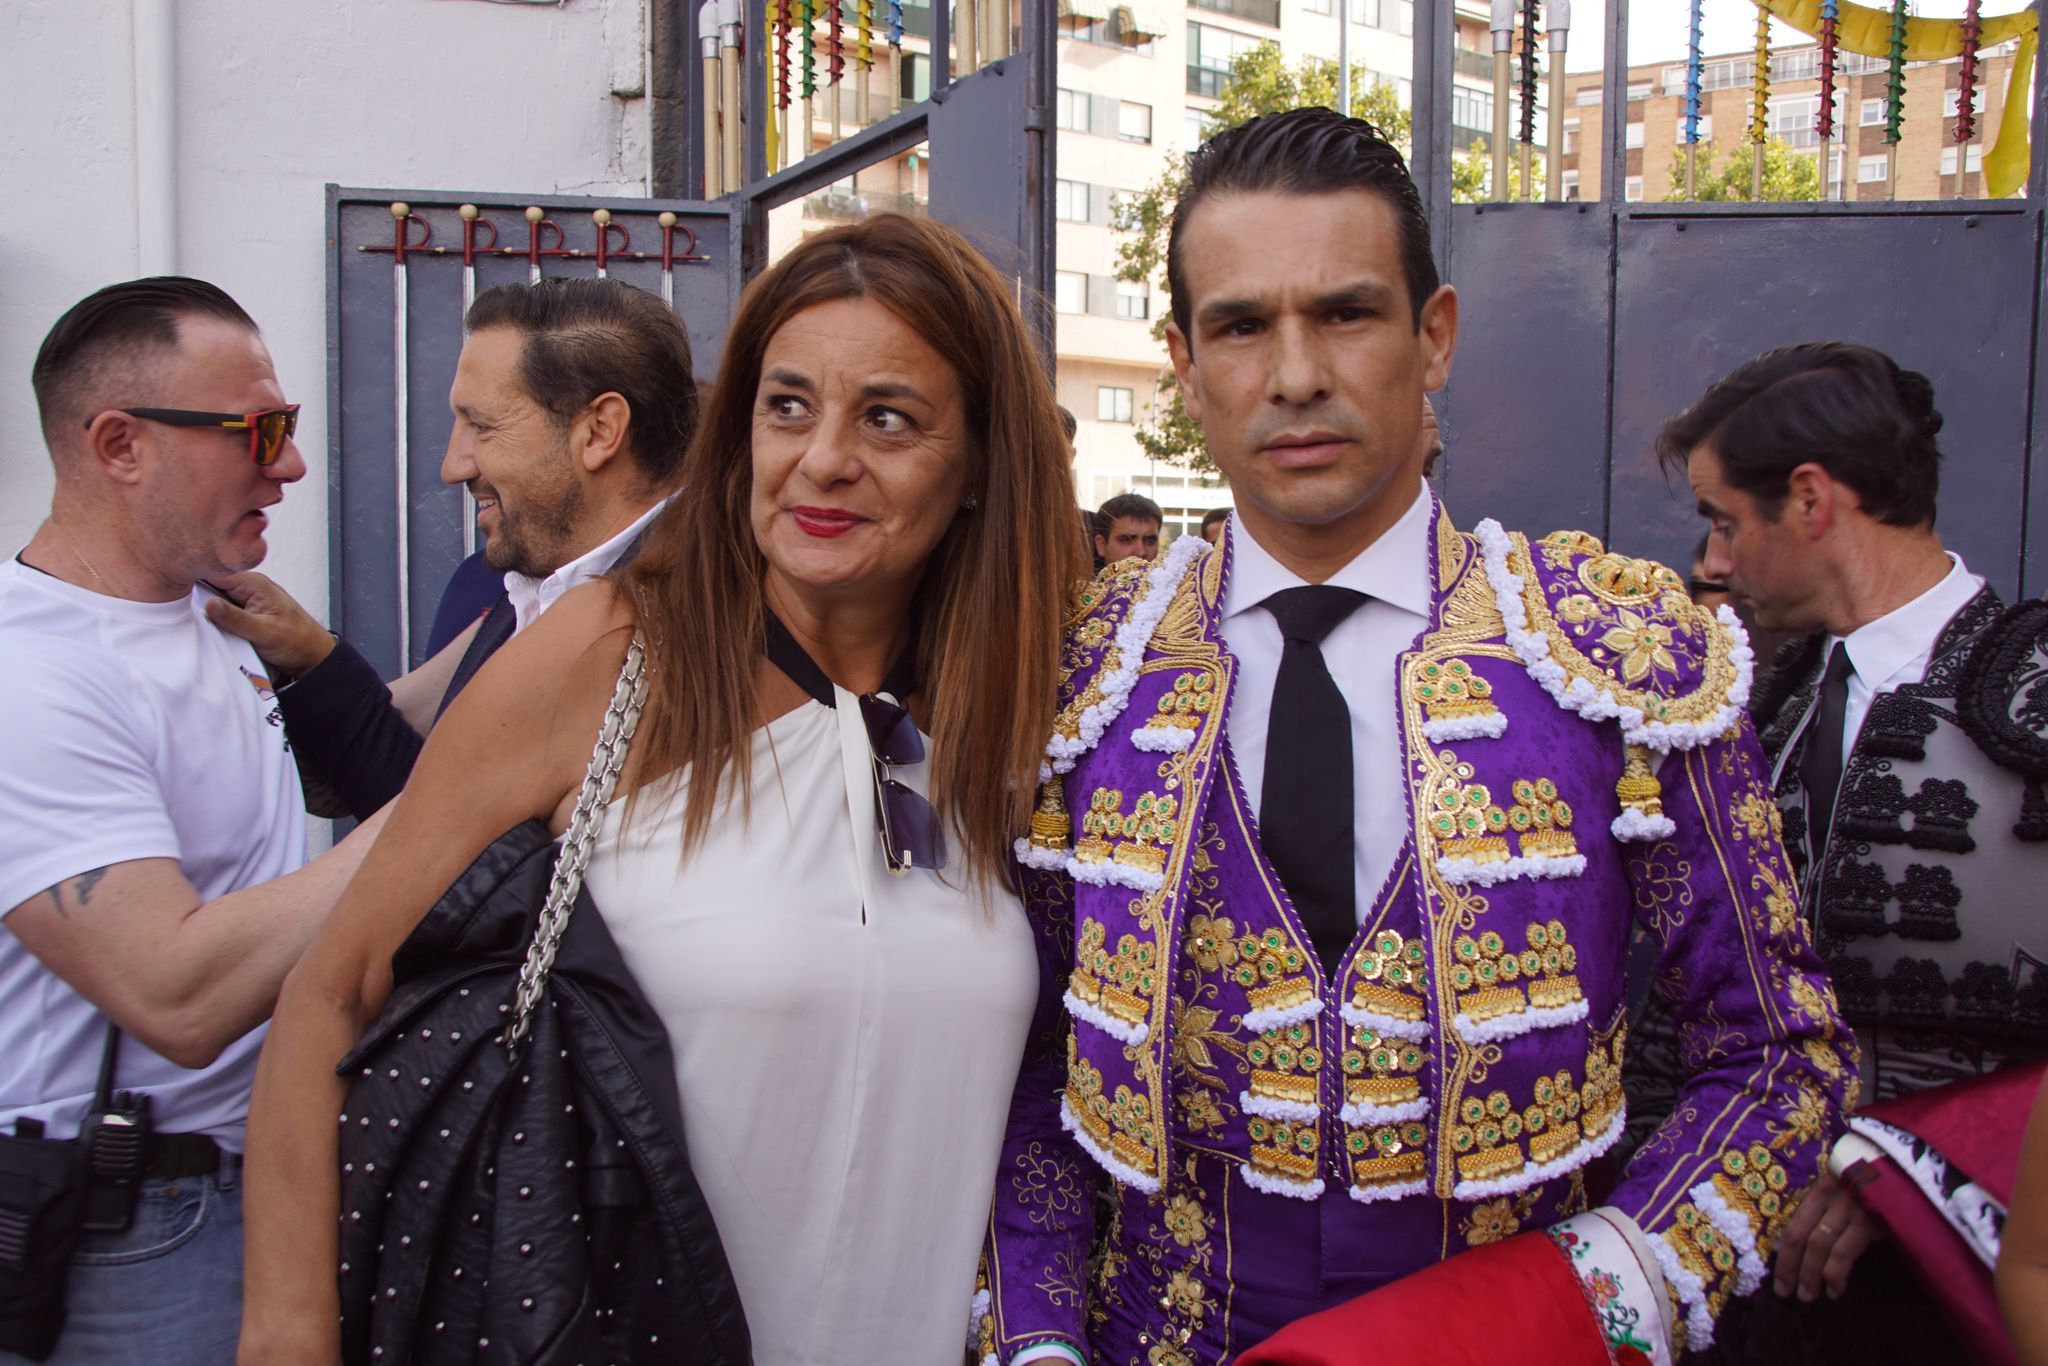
845 1043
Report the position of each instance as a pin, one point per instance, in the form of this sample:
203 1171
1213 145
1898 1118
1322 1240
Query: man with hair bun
1344 827
1908 744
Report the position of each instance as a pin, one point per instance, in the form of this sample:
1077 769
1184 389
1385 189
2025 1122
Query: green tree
1788 175
1471 167
1261 82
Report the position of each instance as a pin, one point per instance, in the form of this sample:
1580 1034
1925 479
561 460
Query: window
1366 12
1112 405
1070 111
1872 115
1948 159
1632 189
1568 183
1952 102
1407 18
1835 159
1070 201
1070 291
1319 6
1871 168
1134 122
1121 204
1791 119
1632 136
1706 128
1471 108
1211 50
914 76
1133 300
1642 90
1194 127
1571 136
1590 95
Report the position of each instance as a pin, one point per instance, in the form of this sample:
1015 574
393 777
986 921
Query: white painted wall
272 101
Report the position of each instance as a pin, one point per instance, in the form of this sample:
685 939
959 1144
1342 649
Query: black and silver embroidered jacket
1927 901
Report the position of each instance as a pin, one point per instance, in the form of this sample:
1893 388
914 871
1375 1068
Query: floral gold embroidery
1644 646
1211 940
1269 969
1467 824
1146 833
1183 706
1542 820
1186 1220
1121 983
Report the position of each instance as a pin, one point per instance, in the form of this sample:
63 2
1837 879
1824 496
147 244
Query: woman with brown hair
877 514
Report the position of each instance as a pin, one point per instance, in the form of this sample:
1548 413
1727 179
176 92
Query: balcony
1265 12
1467 62
1207 83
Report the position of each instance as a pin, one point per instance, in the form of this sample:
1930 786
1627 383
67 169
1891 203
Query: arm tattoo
81 887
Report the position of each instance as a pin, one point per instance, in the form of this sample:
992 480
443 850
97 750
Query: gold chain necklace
97 576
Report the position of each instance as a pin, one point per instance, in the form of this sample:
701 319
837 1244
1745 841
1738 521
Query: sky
1657 28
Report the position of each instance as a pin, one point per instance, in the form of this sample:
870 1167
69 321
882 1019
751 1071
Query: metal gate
403 265
1585 325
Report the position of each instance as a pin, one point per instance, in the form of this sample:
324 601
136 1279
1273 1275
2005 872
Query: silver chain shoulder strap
607 759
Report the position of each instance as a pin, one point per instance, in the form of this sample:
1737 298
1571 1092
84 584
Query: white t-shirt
128 730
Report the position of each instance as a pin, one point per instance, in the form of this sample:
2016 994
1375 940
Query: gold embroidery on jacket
1122 982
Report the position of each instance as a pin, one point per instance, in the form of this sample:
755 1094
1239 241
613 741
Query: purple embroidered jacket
1279 1141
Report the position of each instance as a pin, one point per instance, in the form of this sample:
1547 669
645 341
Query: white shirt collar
530 597
1882 649
1393 570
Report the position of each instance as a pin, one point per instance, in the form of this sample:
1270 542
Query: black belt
178 1155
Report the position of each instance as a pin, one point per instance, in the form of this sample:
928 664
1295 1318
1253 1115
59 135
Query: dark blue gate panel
366 556
1947 294
978 148
1525 414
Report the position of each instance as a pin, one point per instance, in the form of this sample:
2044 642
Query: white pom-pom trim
1489 727
1127 647
1113 874
1274 1108
1279 1017
1692 1293
1123 1031
1632 825
1124 1172
1599 704
1047 860
1359 1113
1749 1268
1280 1185
1536 1173
1162 739
1470 872
1522 1022
1387 1026
1395 1190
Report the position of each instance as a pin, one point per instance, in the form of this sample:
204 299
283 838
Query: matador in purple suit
1342 833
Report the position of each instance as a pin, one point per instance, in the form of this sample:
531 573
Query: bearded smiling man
573 403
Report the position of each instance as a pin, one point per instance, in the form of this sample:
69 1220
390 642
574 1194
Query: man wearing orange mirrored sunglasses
153 874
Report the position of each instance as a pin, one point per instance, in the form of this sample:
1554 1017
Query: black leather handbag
515 1185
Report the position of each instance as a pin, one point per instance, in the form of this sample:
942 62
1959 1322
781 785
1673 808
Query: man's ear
1814 497
1183 355
1438 334
112 448
598 435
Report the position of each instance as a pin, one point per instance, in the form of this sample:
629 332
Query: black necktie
1305 817
1820 767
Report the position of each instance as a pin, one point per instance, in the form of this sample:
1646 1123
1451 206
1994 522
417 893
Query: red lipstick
824 522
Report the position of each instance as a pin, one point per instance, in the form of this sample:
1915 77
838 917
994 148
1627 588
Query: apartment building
1860 160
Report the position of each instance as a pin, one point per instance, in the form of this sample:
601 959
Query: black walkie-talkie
115 1134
